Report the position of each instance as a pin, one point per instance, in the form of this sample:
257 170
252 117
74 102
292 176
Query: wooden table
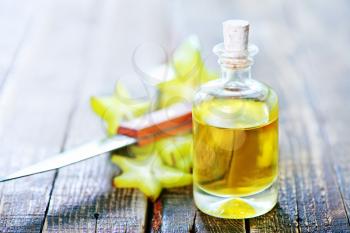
55 54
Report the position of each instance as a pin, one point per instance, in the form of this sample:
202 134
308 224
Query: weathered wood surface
57 53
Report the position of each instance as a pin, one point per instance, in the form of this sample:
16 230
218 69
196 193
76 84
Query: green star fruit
177 152
174 151
148 174
190 72
118 107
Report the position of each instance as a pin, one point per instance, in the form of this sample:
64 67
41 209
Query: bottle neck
236 75
235 65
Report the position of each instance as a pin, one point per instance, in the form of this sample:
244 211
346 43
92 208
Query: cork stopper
236 34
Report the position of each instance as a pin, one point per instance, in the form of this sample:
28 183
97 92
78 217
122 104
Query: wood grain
327 88
177 206
83 199
54 57
174 206
319 202
35 110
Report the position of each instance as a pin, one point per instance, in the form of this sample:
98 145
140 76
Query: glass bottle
235 120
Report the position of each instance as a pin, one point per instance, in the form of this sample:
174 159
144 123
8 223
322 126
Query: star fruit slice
190 72
148 174
174 151
177 152
119 106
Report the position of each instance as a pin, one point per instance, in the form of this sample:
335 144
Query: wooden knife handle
166 122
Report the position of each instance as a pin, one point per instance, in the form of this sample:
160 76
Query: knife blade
143 130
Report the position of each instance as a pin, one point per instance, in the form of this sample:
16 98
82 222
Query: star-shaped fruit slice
118 107
174 151
149 174
190 72
177 152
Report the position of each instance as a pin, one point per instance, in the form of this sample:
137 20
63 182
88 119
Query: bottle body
235 155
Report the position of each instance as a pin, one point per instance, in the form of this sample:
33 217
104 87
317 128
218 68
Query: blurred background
82 48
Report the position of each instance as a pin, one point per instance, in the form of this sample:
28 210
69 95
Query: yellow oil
235 147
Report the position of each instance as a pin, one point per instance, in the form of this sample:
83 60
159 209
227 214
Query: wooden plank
319 203
14 24
83 190
36 105
177 206
205 223
326 82
174 206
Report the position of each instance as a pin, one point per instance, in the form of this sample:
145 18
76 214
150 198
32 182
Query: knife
151 127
